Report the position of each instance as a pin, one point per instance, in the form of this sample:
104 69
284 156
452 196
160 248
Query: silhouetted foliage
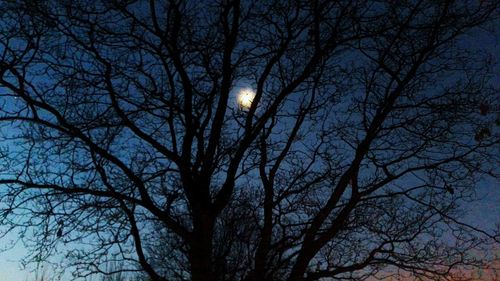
123 141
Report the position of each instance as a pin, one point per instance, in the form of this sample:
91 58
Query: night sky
483 213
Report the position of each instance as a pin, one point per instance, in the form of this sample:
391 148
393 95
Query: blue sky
484 213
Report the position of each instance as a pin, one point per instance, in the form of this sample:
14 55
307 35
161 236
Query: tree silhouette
365 133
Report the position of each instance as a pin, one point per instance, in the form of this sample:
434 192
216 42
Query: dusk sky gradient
483 213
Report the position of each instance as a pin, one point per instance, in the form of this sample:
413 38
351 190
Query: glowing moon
245 97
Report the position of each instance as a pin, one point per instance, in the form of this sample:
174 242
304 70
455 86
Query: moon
245 97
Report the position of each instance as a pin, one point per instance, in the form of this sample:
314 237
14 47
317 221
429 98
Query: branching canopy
123 140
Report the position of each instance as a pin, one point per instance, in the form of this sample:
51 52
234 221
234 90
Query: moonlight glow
245 97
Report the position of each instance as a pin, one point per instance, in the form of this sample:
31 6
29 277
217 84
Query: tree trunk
300 266
200 254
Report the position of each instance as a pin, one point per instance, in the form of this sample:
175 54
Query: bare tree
370 124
